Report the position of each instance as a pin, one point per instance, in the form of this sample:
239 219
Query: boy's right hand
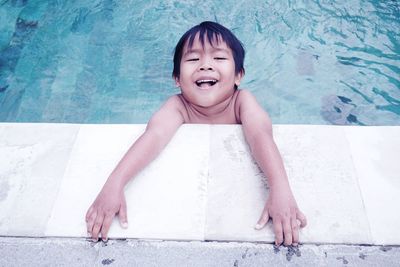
109 202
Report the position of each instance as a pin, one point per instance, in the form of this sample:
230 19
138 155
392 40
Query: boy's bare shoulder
174 102
177 103
245 95
249 108
169 116
244 98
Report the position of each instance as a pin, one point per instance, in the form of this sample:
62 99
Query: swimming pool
105 61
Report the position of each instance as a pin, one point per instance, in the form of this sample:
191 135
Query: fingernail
95 239
124 225
104 239
258 226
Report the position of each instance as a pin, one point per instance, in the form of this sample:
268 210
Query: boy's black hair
214 31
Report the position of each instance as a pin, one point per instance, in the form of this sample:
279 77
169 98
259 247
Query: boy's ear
177 83
239 77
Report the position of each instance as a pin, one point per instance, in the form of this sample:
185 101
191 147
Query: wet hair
215 32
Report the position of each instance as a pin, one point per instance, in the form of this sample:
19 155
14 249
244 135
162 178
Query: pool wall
345 179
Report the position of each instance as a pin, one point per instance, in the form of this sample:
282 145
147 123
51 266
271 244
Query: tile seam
357 178
45 233
207 177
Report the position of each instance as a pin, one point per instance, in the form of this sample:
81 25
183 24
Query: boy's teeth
211 82
204 81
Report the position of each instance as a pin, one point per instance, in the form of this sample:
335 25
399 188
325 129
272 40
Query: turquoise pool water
104 61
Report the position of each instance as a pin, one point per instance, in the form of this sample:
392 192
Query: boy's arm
280 205
111 200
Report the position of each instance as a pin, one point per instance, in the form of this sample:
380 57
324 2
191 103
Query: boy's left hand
282 208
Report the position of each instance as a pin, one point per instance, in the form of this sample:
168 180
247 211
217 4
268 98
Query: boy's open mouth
206 82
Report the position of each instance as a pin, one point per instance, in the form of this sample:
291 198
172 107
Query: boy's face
207 73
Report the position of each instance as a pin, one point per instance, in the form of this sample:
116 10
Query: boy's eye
192 59
220 58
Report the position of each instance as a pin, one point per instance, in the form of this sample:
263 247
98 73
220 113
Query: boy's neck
215 111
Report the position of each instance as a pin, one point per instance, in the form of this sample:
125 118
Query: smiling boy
208 68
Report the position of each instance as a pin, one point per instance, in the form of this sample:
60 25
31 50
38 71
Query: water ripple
303 58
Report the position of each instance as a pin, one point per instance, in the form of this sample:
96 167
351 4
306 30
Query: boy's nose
206 68
205 65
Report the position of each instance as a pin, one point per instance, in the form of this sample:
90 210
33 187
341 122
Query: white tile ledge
205 184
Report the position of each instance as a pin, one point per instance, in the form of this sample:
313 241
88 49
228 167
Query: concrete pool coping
338 164
129 252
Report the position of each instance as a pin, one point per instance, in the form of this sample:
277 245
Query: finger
106 226
122 215
295 231
278 232
88 213
263 220
302 219
90 221
97 226
287 232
